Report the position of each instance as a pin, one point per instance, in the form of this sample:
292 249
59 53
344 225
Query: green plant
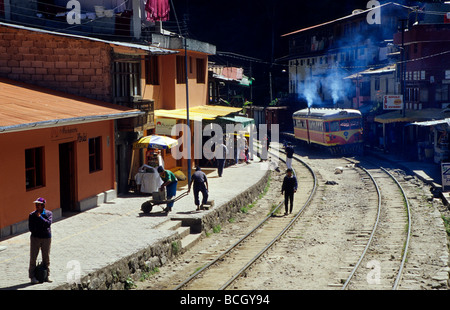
216 229
129 283
446 224
146 275
175 247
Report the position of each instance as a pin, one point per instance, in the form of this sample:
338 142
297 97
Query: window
201 71
355 123
127 82
377 83
151 70
442 92
34 168
334 126
181 70
95 154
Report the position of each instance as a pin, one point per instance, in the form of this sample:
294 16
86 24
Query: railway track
222 271
385 245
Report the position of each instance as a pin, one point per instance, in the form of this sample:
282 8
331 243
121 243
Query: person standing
288 188
170 183
200 182
221 155
289 155
39 224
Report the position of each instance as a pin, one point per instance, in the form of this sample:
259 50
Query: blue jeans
171 192
204 192
220 165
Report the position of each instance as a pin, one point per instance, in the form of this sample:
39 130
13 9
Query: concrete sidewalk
86 243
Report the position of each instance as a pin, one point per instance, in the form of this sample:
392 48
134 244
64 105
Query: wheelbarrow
147 206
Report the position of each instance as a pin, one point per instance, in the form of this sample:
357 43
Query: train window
334 126
327 127
345 124
355 124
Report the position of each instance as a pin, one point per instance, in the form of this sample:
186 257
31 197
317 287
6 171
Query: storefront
54 146
198 117
416 142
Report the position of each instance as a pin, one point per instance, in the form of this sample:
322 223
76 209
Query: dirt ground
315 253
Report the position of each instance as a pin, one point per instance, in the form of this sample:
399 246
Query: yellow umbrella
155 142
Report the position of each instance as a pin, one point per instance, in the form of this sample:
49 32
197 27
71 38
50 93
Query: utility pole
403 67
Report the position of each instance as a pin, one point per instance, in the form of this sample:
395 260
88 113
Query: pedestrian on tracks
200 182
289 155
288 188
221 155
39 224
170 182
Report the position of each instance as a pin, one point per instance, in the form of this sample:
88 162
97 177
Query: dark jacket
40 225
289 152
289 184
199 179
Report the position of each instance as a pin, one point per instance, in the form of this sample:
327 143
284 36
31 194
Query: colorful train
338 130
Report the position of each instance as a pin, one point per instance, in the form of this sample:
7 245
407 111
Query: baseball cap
40 200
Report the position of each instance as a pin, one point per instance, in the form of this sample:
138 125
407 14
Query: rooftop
26 107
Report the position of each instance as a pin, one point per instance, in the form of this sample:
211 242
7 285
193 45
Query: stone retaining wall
127 270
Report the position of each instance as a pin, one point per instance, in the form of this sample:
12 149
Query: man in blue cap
39 223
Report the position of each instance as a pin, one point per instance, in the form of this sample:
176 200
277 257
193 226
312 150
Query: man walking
39 224
288 188
289 155
221 155
200 185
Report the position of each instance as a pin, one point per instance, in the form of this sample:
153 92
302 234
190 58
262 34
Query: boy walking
288 188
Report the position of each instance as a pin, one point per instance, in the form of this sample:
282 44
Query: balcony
140 123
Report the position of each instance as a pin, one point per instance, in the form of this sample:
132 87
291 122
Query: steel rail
408 235
372 233
405 250
269 245
234 277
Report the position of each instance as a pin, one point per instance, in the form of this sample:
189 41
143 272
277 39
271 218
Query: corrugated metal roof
209 112
345 17
149 48
25 107
411 116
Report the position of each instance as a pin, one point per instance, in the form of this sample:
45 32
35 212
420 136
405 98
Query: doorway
67 177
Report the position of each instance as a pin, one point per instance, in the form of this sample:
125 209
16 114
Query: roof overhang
411 116
120 47
206 112
27 107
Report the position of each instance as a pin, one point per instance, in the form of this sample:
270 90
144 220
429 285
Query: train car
338 130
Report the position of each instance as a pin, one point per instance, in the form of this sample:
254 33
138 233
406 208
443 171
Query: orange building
165 84
56 146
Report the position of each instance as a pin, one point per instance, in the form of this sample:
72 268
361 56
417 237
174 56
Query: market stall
144 177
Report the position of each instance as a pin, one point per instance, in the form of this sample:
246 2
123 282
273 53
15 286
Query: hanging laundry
157 10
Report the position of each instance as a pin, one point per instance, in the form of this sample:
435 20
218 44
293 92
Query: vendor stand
146 178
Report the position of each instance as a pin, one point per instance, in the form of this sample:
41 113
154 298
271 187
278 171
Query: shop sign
392 102
164 126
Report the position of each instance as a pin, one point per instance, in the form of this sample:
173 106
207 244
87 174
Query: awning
245 121
26 107
411 116
206 112
433 123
